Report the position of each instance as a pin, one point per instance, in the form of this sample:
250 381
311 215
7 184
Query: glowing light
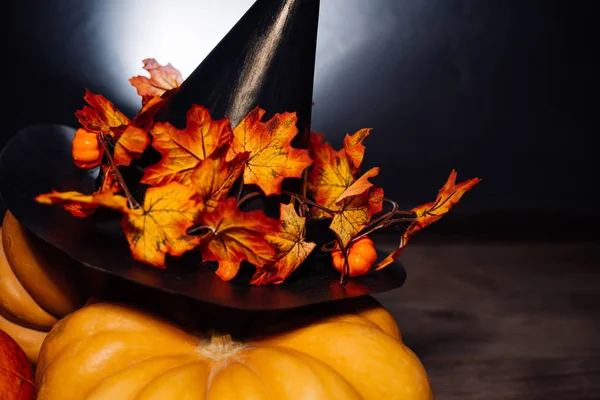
181 32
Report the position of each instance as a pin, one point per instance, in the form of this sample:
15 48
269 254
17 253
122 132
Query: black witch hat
266 60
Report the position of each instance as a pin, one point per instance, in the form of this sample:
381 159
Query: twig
385 217
248 197
131 201
312 203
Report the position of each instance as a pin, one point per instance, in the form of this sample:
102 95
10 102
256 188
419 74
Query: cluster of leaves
193 195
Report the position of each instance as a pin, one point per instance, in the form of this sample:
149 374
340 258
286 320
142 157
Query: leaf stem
385 217
194 230
248 197
307 201
240 190
131 201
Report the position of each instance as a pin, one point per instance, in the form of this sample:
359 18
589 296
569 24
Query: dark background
499 89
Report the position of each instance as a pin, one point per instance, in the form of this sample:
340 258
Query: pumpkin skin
109 350
38 286
16 373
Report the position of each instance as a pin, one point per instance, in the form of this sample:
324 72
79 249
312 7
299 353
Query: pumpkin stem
223 340
221 346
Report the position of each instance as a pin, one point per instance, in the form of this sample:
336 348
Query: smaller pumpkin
361 257
16 373
86 149
110 350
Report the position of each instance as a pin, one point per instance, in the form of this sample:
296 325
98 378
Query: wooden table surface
503 321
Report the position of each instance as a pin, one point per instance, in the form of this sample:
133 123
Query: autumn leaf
356 206
182 150
100 115
105 199
272 158
162 79
360 186
235 236
109 185
429 213
145 118
291 248
160 226
330 176
353 145
355 214
130 145
214 177
155 229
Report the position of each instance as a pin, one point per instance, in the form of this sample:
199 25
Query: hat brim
38 160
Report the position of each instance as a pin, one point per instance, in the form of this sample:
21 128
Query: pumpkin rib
312 364
117 378
171 382
214 384
123 345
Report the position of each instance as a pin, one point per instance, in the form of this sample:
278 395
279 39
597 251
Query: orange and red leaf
235 236
160 226
182 150
330 176
100 115
354 147
131 145
290 245
429 213
214 177
162 79
272 157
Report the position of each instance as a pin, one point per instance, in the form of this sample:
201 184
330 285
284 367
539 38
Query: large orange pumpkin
38 286
16 374
110 350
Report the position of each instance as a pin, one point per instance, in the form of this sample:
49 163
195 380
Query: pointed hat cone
266 60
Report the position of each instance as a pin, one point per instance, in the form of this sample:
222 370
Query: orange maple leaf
131 145
100 115
234 236
331 174
145 118
360 186
214 177
354 147
182 150
109 185
429 213
356 208
155 229
272 157
162 79
291 248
